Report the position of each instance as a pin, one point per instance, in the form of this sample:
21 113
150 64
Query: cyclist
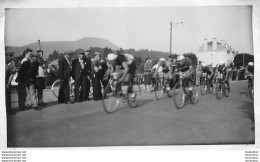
223 68
249 70
170 64
161 69
184 64
209 70
125 67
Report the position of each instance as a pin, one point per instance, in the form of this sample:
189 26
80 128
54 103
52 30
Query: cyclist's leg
228 87
129 81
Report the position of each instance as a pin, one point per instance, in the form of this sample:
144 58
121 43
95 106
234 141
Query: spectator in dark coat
87 74
78 66
9 73
64 75
23 78
96 68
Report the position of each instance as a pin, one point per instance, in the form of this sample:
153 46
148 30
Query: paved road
211 121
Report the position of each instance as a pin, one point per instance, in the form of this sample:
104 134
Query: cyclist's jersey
207 69
223 69
184 66
129 61
250 69
159 68
170 65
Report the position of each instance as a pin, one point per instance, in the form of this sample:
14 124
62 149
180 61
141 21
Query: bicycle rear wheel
55 88
178 95
110 99
203 87
133 100
219 90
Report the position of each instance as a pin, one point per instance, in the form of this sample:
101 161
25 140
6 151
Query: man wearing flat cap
78 66
64 75
9 73
25 79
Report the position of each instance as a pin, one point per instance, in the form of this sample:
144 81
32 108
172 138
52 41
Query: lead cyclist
125 67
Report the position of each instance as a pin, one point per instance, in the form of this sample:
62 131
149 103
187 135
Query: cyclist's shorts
132 68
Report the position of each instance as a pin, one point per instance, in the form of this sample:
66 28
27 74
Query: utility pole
171 39
175 24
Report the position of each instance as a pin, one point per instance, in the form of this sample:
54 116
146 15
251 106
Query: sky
134 27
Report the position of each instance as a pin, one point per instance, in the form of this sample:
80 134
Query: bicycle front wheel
225 90
158 90
55 88
251 92
194 95
178 95
133 99
203 87
110 99
219 90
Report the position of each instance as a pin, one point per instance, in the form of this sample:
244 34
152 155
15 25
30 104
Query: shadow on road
49 104
248 109
245 92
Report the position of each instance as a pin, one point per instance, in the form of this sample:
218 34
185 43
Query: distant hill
62 46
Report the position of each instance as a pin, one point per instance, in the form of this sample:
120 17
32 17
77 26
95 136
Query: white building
214 51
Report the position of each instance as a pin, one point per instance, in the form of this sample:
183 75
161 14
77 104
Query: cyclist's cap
171 56
180 57
111 57
251 64
162 59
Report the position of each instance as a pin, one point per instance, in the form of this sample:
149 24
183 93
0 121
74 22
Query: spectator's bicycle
221 87
250 78
205 84
182 92
56 87
115 92
161 87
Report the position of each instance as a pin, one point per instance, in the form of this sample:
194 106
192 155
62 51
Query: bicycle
161 87
184 92
205 84
221 87
56 87
116 90
250 78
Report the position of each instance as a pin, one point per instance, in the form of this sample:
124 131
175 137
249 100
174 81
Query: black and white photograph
140 76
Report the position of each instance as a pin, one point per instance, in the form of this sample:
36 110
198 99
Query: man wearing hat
96 68
78 66
25 79
9 73
64 75
87 72
40 78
